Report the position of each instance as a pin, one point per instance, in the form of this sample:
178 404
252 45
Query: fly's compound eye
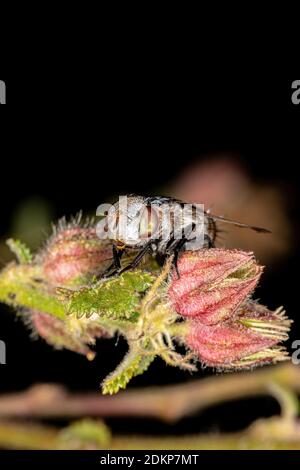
149 223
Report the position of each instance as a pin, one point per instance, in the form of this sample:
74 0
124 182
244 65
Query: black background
77 139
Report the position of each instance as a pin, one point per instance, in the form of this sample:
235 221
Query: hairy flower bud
249 340
70 334
75 254
213 283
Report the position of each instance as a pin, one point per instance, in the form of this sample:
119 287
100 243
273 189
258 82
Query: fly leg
174 248
176 245
208 243
116 264
135 262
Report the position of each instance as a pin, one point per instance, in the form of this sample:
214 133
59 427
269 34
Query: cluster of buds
225 328
208 308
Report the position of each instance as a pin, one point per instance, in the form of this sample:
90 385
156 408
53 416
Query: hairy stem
22 286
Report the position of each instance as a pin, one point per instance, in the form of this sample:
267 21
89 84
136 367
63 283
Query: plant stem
263 434
169 403
22 286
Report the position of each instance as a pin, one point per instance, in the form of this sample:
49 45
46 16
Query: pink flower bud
75 337
213 283
249 340
74 254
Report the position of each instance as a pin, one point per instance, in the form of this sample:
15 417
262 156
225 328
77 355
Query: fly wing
238 224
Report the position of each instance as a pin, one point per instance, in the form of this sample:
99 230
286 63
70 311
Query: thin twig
168 403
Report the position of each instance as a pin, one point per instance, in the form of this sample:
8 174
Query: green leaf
21 251
117 298
132 365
